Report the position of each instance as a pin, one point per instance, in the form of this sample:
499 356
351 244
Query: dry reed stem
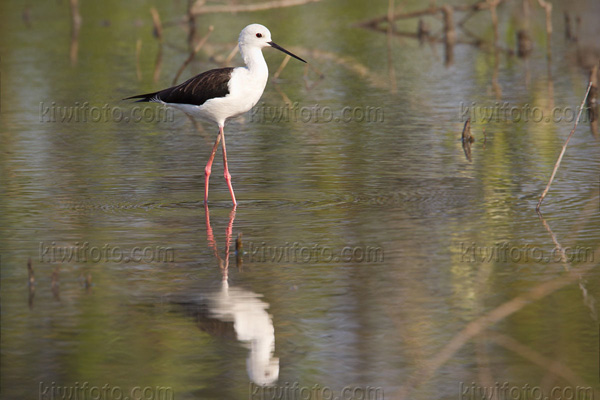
548 9
480 324
199 8
231 54
281 66
193 53
533 356
564 149
138 51
158 30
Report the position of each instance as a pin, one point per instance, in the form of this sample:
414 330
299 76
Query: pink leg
208 167
226 170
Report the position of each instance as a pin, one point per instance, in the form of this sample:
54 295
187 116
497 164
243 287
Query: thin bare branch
199 8
564 149
528 353
158 30
431 10
477 326
548 9
281 67
193 53
231 54
138 51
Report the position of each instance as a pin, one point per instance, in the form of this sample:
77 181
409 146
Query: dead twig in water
158 30
158 33
26 15
191 25
533 356
390 57
467 139
31 283
75 27
158 64
308 84
138 50
449 33
477 326
431 10
493 4
232 54
199 7
564 149
588 299
31 279
284 96
281 67
349 63
193 53
484 138
592 101
56 284
548 9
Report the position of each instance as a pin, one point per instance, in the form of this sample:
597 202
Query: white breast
247 87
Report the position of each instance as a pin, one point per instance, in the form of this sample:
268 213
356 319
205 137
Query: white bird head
258 36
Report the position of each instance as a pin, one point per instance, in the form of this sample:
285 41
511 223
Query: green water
369 240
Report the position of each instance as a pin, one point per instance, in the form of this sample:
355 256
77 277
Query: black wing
196 91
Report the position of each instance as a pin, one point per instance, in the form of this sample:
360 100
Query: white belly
245 90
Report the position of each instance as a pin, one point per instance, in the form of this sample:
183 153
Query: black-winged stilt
223 93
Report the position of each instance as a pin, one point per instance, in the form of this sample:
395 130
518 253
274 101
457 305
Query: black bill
278 47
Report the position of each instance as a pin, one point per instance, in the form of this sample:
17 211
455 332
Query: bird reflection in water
253 325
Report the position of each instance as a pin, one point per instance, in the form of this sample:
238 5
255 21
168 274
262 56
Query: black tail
142 97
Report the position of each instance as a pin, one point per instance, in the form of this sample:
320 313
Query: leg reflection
248 312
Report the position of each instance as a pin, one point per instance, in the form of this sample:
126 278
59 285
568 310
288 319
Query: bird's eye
259 35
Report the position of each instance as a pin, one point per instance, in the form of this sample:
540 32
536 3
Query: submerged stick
564 149
231 54
483 323
390 56
75 27
557 368
56 284
158 30
158 64
191 25
193 53
592 101
281 67
31 283
467 139
308 84
30 273
199 8
432 10
138 51
449 33
548 9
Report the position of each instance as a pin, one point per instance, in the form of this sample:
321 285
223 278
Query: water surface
369 243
